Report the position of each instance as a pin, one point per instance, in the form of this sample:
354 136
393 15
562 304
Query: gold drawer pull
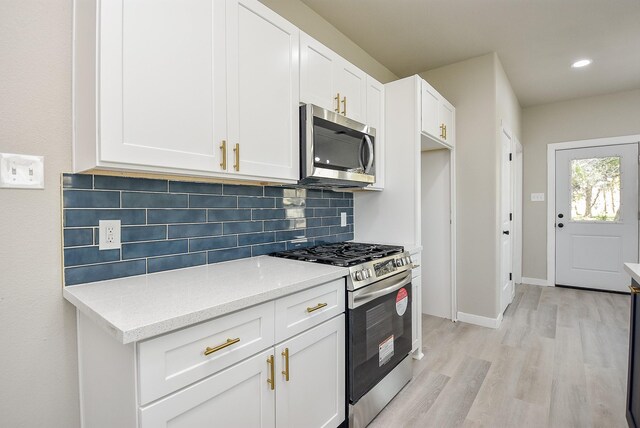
344 105
315 308
337 98
229 342
272 376
285 372
634 289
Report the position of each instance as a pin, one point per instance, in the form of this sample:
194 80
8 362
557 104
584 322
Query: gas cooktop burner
341 254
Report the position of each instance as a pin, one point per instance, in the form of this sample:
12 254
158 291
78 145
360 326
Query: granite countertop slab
139 307
633 269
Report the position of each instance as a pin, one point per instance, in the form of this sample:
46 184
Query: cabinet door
316 73
375 118
430 106
351 84
162 83
447 119
263 93
237 397
314 394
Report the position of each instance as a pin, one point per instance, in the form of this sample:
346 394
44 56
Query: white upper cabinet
438 115
263 90
375 118
160 86
329 81
174 86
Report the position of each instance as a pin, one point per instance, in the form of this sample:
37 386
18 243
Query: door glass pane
595 189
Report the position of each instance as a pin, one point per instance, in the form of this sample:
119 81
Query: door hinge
510 276
510 156
510 216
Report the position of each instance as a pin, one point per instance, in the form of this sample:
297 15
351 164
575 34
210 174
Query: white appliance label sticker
402 301
385 351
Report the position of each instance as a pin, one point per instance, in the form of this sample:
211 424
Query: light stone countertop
139 307
633 269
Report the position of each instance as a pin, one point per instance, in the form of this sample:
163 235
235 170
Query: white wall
581 119
38 362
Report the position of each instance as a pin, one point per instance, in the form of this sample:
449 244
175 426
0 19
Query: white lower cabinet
236 397
310 391
277 364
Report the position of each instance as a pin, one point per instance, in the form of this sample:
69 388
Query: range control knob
407 260
365 273
358 275
400 262
370 272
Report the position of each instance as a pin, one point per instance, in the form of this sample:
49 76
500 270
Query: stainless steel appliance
378 321
335 151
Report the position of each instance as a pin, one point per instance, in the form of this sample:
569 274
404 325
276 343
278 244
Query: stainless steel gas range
378 321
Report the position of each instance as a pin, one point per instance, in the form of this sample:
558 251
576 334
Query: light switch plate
537 197
21 171
343 219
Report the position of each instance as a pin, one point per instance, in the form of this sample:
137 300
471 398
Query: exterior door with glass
596 216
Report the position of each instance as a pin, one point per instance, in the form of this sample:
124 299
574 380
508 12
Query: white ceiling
536 40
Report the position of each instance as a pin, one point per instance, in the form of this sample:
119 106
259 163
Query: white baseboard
480 320
535 281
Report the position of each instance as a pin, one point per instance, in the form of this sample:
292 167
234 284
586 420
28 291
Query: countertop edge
633 269
171 324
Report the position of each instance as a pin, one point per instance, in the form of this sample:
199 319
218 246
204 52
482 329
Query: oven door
336 148
379 331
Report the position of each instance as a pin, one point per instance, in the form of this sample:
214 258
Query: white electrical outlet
343 219
109 234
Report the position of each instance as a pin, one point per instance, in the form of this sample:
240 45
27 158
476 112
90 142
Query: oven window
336 147
379 338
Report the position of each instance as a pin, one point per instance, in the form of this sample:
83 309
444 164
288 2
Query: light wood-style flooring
559 359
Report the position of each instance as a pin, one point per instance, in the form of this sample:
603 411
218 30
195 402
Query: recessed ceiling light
581 63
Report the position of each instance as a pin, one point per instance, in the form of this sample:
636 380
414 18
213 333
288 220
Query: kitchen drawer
297 312
174 360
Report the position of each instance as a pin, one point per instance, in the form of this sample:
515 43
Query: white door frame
551 189
517 170
505 130
454 295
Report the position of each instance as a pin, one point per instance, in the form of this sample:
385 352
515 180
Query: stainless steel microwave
335 151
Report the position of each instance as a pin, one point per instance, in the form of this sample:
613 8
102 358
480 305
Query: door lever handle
505 232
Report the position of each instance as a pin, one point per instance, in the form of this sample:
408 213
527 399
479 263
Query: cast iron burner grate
341 253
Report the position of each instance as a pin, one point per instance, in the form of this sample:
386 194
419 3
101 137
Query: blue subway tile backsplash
172 224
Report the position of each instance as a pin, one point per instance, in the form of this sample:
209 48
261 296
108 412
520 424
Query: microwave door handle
371 153
366 297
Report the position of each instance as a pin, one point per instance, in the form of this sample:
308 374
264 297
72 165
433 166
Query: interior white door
311 377
596 216
162 93
506 257
264 91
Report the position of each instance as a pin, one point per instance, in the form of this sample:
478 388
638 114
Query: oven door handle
365 296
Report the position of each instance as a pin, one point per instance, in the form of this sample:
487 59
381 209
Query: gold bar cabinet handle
272 376
285 372
445 132
344 105
442 130
634 289
315 308
236 151
229 342
337 98
223 147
